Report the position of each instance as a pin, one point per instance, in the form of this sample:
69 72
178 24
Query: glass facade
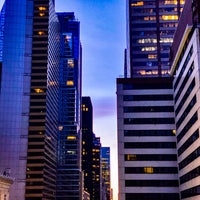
151 27
29 97
69 178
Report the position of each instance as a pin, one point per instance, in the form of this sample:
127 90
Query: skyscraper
185 70
29 97
146 127
91 164
151 26
87 142
105 171
69 181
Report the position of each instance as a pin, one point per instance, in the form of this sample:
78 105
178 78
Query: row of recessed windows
151 145
184 82
190 175
186 112
150 157
149 121
191 192
149 97
189 142
162 25
185 97
190 158
190 123
183 67
151 183
151 170
152 196
130 109
149 132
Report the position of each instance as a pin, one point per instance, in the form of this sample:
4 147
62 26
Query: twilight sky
103 41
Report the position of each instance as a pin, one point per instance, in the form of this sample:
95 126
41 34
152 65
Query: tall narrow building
105 171
185 60
87 142
69 181
151 26
29 97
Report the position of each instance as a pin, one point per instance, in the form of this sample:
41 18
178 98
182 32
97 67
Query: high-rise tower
29 97
69 181
151 26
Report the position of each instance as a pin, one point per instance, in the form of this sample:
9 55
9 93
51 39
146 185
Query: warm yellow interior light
38 90
170 17
71 137
148 170
139 3
42 8
70 83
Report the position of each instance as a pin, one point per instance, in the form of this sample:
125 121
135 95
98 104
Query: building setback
29 97
185 59
151 25
147 158
69 175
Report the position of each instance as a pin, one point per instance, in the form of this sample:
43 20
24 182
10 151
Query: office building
91 145
105 171
29 97
185 70
96 169
151 26
87 142
147 160
69 176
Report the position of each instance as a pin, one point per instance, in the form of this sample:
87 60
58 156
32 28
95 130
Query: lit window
148 170
38 90
131 157
152 56
174 132
139 3
41 14
71 137
149 49
170 17
42 8
149 18
70 63
41 33
70 83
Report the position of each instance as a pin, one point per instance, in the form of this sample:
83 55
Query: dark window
151 183
149 133
147 97
130 109
189 142
149 121
195 154
153 145
187 126
152 196
190 192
